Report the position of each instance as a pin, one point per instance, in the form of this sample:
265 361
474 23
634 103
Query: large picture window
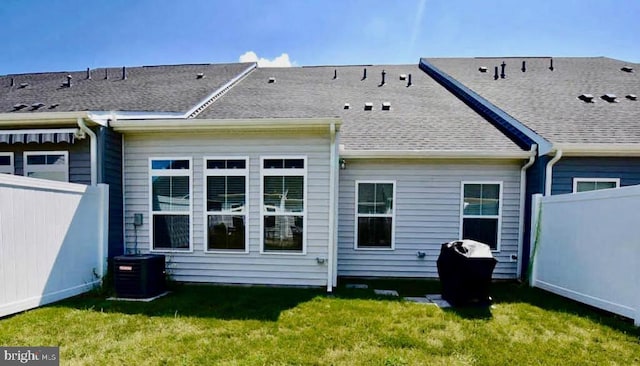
283 204
375 213
226 204
170 195
52 165
594 184
6 162
481 212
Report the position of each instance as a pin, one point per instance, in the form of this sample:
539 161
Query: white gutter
441 154
103 115
549 172
332 206
94 150
191 125
42 118
523 189
595 149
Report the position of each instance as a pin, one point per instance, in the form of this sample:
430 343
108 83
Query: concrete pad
149 299
421 300
360 286
386 292
433 297
442 304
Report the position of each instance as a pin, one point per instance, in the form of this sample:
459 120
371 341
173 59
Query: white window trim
226 173
8 169
284 172
46 168
499 216
594 180
170 172
393 216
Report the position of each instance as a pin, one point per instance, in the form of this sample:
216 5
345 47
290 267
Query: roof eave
193 125
43 118
596 149
433 154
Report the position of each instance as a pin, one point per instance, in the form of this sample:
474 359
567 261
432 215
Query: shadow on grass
204 301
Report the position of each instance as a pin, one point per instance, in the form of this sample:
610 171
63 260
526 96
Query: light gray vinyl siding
427 214
79 157
244 268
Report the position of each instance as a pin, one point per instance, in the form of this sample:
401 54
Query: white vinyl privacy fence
587 248
53 239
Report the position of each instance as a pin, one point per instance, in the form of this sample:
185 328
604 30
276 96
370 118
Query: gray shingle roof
547 101
173 88
423 116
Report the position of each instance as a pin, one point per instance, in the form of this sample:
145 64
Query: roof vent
106 74
68 83
627 69
124 73
54 105
368 106
364 75
588 98
200 75
13 82
551 64
335 74
37 105
611 98
403 76
347 106
409 81
632 97
502 66
386 106
495 75
272 80
524 66
18 107
88 73
383 75
482 69
24 85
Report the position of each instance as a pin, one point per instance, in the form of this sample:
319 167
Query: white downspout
94 150
332 202
549 172
523 191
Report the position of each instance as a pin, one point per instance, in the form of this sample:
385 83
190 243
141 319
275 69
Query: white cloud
280 61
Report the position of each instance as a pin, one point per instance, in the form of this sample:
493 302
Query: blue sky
66 35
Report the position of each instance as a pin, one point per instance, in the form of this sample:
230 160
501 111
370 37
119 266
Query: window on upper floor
481 212
593 184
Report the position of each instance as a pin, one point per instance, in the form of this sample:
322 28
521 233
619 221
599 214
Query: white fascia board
594 149
42 118
190 125
437 154
40 130
115 115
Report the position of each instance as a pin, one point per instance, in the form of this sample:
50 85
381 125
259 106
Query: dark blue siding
535 184
79 157
110 172
627 169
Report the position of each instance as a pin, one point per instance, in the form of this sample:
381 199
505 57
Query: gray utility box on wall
139 276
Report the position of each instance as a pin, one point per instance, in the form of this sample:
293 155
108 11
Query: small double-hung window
6 162
283 204
226 204
375 214
481 212
170 195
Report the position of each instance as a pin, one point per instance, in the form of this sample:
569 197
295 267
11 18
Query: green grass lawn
211 325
